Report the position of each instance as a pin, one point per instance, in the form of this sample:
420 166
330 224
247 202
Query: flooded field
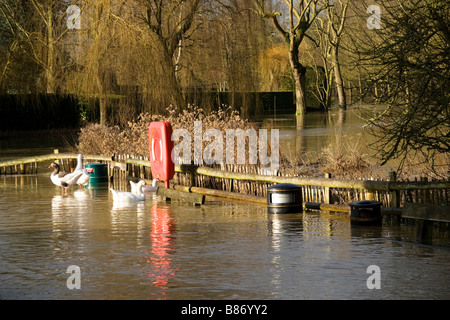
222 250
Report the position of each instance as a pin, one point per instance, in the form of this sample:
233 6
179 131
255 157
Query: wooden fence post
370 194
56 151
395 195
327 192
425 193
394 199
71 165
192 179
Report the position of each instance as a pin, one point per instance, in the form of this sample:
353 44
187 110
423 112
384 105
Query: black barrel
366 213
284 198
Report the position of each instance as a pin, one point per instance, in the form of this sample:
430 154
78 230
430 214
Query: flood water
340 130
221 250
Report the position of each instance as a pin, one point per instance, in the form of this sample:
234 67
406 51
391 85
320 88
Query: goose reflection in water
159 257
70 208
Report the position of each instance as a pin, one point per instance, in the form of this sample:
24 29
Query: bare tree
40 26
8 49
407 61
169 22
321 64
336 16
301 15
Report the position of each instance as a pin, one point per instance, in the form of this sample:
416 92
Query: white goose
145 188
124 196
83 180
63 179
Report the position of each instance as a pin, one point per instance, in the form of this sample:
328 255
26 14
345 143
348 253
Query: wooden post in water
192 179
425 193
327 194
71 165
56 151
370 194
425 216
395 195
394 199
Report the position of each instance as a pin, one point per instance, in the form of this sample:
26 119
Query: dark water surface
222 250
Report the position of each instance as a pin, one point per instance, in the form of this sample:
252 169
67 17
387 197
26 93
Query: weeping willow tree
219 61
169 23
239 34
275 70
125 59
93 47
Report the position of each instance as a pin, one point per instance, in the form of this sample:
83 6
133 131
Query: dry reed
133 138
341 158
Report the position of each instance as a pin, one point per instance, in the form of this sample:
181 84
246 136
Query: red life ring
161 145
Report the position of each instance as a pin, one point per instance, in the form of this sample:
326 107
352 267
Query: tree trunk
300 90
5 67
299 73
49 72
103 98
338 79
175 92
103 105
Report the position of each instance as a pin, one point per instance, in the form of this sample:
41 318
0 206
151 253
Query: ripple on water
222 250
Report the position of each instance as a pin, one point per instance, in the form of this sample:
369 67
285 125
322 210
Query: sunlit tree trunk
299 74
338 78
337 15
301 15
50 67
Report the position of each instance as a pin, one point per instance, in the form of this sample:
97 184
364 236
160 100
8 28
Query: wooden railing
252 185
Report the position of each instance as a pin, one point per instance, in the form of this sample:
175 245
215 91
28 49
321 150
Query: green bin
98 173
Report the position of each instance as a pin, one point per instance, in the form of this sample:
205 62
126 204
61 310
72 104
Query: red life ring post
160 148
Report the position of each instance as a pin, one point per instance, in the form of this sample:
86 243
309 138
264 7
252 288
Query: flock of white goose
81 178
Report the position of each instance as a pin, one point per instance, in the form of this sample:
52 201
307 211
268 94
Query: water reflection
284 225
118 207
162 248
71 208
367 232
342 116
221 250
284 229
310 133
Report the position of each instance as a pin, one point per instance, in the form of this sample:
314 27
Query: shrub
133 138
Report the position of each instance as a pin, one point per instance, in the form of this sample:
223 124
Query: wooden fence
252 181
